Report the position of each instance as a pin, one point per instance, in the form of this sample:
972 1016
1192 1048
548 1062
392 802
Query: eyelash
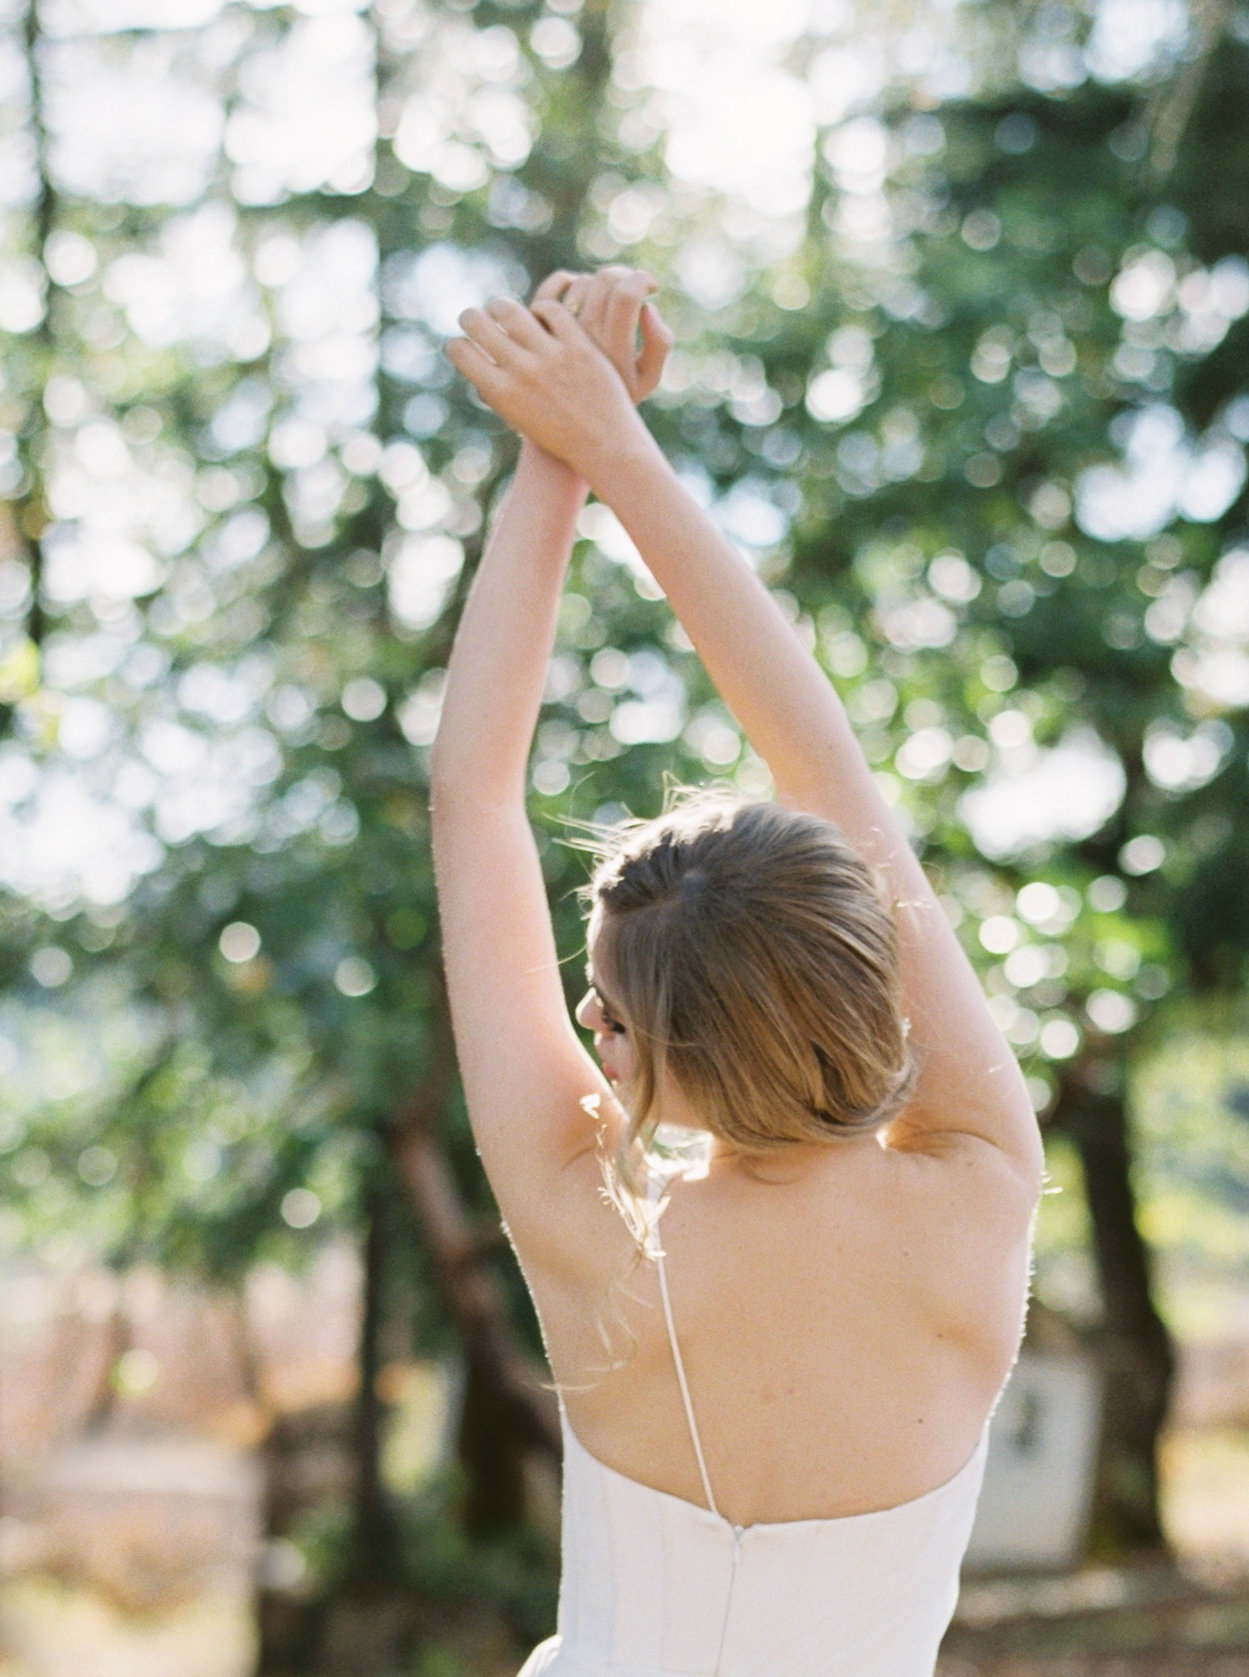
612 1026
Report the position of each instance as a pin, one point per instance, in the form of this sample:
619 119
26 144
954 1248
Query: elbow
467 788
450 782
441 773
446 786
456 757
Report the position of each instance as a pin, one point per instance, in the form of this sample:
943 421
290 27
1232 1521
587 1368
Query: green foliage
515 1576
511 1581
1193 1171
975 404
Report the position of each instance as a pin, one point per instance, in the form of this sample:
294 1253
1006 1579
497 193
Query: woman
771 1470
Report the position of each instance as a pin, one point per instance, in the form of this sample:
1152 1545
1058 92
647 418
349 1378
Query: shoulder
968 1209
966 1191
947 1162
563 1223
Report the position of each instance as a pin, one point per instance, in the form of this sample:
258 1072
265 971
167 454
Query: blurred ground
1191 1620
55 1630
1102 1622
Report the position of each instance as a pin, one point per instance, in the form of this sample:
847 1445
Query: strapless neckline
656 1586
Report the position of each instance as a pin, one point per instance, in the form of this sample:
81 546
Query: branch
1173 105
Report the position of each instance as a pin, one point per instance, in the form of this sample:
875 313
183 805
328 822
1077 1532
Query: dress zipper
728 1602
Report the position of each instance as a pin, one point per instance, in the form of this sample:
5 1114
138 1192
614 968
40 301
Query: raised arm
969 1084
525 1072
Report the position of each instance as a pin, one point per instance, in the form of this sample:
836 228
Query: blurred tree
961 367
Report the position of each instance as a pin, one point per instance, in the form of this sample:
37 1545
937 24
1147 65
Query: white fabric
654 1586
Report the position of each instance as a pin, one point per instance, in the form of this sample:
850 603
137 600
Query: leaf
19 673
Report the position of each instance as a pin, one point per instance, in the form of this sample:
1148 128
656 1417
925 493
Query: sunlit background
962 314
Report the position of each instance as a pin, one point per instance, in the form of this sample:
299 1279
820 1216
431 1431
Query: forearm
499 661
773 686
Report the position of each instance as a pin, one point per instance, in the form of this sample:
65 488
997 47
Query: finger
656 342
576 297
488 335
638 282
622 311
517 322
624 290
601 316
618 273
474 364
556 284
593 305
557 320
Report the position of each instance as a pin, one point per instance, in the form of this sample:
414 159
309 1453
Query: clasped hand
567 371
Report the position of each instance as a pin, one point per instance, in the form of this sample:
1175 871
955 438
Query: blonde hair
747 950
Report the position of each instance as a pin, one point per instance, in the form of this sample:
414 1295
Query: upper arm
968 1082
526 1075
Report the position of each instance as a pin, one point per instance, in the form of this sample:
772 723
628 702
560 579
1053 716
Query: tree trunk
375 1548
1137 1357
505 1414
31 506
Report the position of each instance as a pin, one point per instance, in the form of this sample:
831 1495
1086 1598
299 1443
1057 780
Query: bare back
846 1319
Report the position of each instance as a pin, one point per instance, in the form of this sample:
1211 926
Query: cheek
618 1059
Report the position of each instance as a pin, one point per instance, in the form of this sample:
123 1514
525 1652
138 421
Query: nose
589 1014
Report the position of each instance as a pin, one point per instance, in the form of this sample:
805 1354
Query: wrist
614 469
555 475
